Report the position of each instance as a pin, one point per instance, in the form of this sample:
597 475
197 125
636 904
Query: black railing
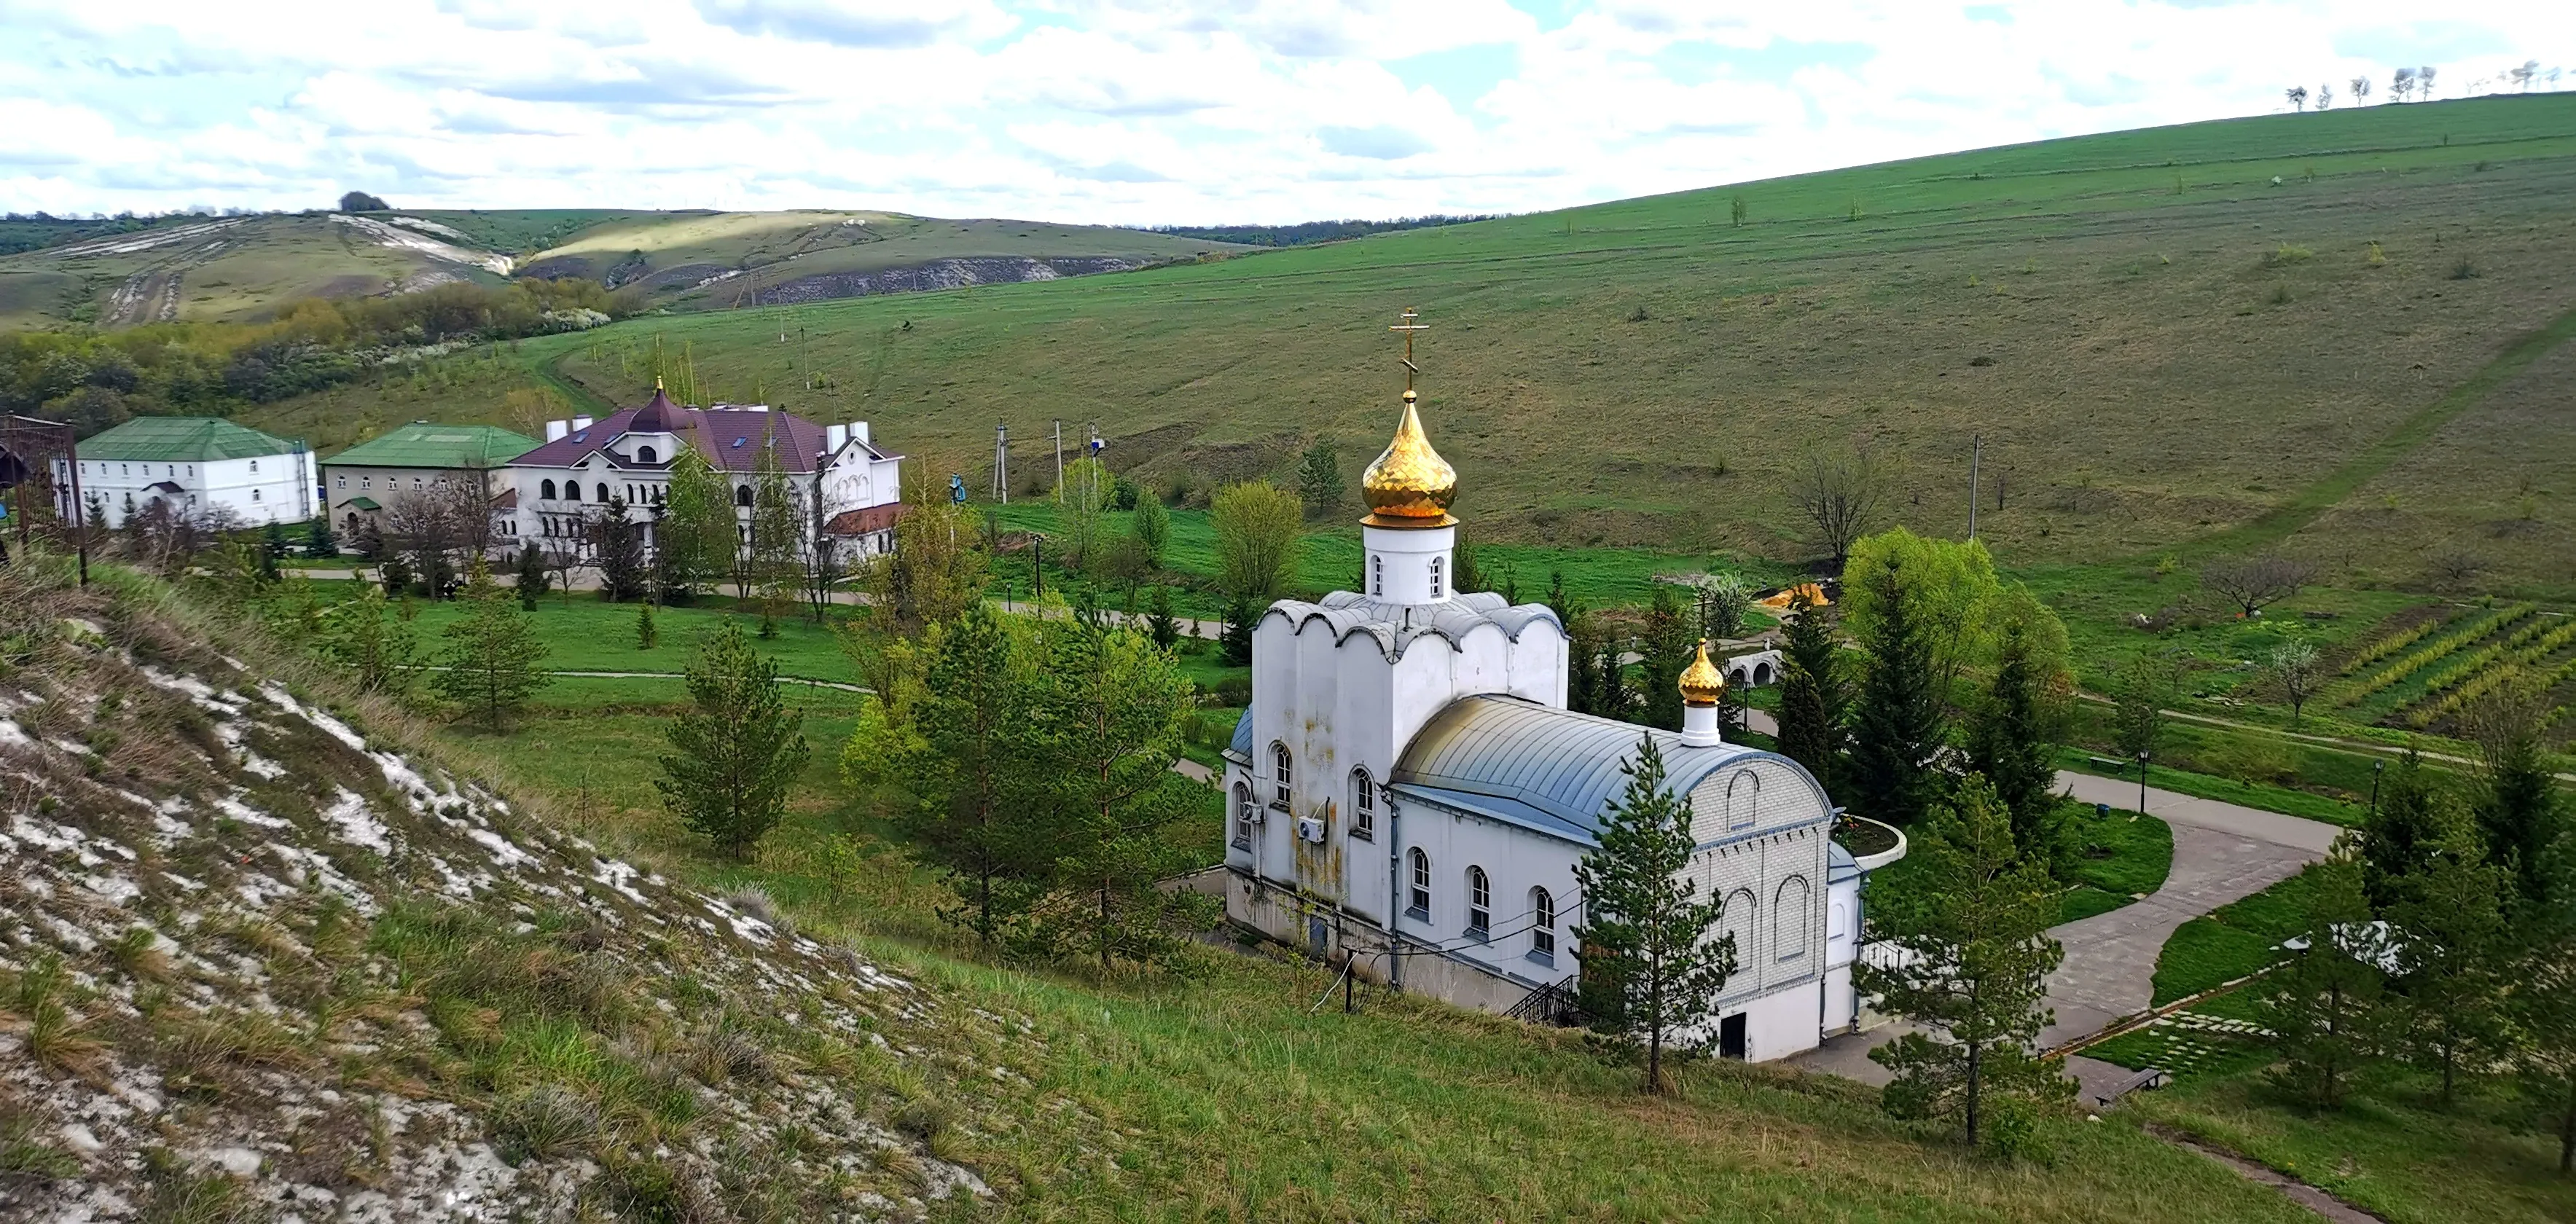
1550 1005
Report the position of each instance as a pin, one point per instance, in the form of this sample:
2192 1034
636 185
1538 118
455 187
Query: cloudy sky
1134 111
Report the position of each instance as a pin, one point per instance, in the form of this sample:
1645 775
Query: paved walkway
2222 852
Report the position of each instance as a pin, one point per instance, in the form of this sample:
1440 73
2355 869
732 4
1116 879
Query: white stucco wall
264 489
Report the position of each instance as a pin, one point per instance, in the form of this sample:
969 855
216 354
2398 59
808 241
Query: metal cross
1408 327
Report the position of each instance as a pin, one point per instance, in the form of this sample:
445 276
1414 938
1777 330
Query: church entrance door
1731 1041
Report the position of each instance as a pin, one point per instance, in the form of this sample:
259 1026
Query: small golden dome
1701 683
1410 485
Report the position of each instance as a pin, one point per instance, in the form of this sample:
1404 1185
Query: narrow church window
1363 806
603 491
1542 924
644 454
1419 904
1242 816
572 490
1789 919
1279 769
1741 795
1377 574
1435 576
1480 902
742 495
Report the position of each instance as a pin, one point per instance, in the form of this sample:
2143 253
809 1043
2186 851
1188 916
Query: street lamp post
2375 767
2142 784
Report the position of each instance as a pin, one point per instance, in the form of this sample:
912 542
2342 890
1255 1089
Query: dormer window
644 454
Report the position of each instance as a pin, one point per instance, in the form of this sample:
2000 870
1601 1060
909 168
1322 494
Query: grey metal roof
1396 626
1242 745
1563 766
1839 864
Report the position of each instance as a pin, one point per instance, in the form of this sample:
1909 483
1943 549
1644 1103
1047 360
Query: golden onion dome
1410 485
1701 683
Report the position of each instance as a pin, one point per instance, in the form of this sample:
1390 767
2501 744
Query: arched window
1418 904
572 490
1480 902
1363 806
1242 816
1741 796
1789 919
254 495
1435 576
1377 574
546 490
1542 924
603 491
254 465
1738 920
742 495
1280 769
644 454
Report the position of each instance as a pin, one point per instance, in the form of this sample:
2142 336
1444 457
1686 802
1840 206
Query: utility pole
1002 462
1059 463
1976 451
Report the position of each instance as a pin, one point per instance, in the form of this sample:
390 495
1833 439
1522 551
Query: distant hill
118 274
2337 332
1305 232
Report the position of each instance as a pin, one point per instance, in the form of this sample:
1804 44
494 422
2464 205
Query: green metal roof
424 445
181 439
363 502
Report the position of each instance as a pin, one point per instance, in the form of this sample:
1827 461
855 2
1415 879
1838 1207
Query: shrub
544 1121
2288 254
2466 269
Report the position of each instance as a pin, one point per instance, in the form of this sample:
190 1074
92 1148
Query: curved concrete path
2222 852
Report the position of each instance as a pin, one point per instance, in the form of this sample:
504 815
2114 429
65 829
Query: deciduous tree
938 567
2257 582
1839 493
2295 667
1258 527
1085 497
1650 966
1153 527
699 529
1974 928
1319 479
735 750
362 634
490 663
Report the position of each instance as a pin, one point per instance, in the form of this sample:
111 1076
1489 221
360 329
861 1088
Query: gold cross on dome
1408 327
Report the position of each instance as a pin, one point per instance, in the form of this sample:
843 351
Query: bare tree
2401 86
2298 96
469 498
1840 495
563 560
424 528
2360 90
2424 82
2325 95
2523 72
2456 568
2251 583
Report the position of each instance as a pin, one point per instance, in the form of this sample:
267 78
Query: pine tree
647 636
532 575
1975 922
2012 742
1234 639
1896 720
1165 627
2398 838
962 745
2543 1005
490 664
1667 645
1812 697
1319 480
2321 1004
361 634
1611 695
735 750
1112 704
318 541
2519 811
1582 661
2449 940
1649 965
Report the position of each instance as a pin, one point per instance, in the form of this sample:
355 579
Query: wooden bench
2150 1079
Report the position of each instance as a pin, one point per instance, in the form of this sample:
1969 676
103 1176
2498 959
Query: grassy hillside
2338 330
227 268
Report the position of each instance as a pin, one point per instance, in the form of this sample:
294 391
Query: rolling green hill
244 268
2339 330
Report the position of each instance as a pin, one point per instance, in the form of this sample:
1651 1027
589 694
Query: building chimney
834 438
556 430
579 423
859 430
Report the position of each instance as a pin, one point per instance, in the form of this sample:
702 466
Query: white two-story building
586 465
198 466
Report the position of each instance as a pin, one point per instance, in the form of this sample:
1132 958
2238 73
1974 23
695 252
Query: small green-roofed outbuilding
182 440
425 445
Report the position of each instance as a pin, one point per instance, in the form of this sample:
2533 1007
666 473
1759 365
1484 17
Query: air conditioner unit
1252 813
1310 828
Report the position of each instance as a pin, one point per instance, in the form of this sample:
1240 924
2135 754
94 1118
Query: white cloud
1131 110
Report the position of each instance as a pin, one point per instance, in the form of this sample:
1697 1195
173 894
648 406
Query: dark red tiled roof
866 519
730 438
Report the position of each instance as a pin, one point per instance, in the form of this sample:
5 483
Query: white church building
1408 789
